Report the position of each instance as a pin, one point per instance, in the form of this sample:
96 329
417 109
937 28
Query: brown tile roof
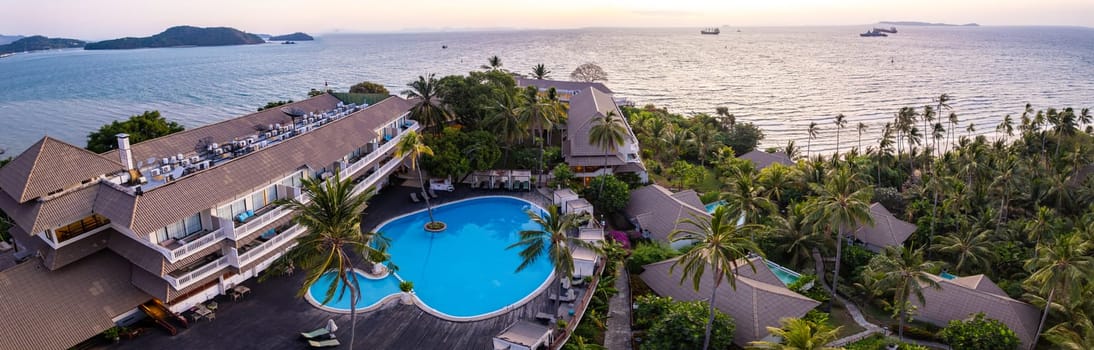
763 159
689 197
962 297
657 210
44 309
73 251
886 231
50 165
525 333
561 84
38 215
584 107
759 301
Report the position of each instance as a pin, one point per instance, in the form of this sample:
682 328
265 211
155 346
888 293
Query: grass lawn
841 318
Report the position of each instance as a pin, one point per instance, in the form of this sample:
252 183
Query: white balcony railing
376 176
277 241
196 275
196 245
371 157
263 219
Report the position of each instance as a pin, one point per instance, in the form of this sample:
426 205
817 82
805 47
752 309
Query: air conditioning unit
180 156
155 172
195 159
165 169
218 151
165 161
267 135
185 163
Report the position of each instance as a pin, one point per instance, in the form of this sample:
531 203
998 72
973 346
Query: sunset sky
103 19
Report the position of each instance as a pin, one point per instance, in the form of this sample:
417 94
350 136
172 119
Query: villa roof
886 231
73 303
569 86
759 300
689 197
50 165
525 333
961 297
656 209
582 253
763 159
586 106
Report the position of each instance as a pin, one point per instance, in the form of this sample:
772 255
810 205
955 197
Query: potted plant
407 287
113 334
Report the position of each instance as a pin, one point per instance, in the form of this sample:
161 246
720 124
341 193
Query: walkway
618 336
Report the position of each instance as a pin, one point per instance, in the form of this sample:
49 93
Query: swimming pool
714 205
465 272
785 275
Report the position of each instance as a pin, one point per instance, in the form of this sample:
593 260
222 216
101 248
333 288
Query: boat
3 55
870 33
288 43
710 31
891 30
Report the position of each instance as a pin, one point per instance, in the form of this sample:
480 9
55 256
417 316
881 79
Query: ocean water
779 78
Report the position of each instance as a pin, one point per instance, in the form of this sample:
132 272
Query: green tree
906 270
493 63
840 122
678 327
427 109
979 333
553 239
448 160
1062 266
607 133
811 131
843 202
562 176
589 72
412 147
645 253
685 175
540 71
332 223
799 334
481 149
607 194
972 249
145 126
719 244
368 87
744 137
273 104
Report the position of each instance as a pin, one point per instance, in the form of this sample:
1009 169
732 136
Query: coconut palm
841 203
812 132
799 334
607 132
492 63
719 245
906 270
861 128
972 249
728 121
540 114
506 120
746 195
1063 266
427 108
797 239
1075 335
539 72
551 238
332 223
413 148
1006 127
840 121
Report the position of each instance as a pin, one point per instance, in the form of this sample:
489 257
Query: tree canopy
368 87
145 126
979 333
589 72
680 324
607 194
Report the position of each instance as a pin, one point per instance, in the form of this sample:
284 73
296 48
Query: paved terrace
271 316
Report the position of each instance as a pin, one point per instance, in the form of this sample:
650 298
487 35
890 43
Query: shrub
607 194
815 292
854 257
406 286
914 332
562 176
368 87
817 316
979 333
682 325
648 253
878 342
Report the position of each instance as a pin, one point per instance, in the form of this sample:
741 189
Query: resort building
960 298
763 159
760 300
180 218
588 101
887 230
657 212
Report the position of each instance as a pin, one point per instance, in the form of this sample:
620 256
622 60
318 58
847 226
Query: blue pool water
714 205
784 274
464 271
371 291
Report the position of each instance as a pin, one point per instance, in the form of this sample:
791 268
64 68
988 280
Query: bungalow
759 301
887 230
657 211
763 159
960 297
523 335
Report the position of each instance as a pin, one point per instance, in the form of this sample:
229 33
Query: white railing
379 174
197 245
196 275
371 157
256 252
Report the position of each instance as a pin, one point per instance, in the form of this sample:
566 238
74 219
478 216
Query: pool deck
272 317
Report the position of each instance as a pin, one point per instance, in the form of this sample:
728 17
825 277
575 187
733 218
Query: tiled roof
44 309
657 210
689 197
758 302
763 159
960 298
584 108
886 231
524 333
50 165
561 84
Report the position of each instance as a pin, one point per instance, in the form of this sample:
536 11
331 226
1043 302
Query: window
79 227
181 228
258 199
271 194
193 223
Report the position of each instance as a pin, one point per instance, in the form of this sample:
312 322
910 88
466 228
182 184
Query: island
298 36
181 36
38 43
927 24
4 39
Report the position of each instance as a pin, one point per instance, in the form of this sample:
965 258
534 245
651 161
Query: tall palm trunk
1044 315
934 216
903 311
710 319
839 255
421 181
353 296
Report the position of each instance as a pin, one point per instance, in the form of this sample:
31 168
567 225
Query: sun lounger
432 193
414 197
569 296
324 344
316 333
545 317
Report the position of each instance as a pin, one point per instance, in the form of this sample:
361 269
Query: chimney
124 152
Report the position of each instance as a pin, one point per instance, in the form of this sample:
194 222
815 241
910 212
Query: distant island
181 36
298 36
38 43
5 39
927 24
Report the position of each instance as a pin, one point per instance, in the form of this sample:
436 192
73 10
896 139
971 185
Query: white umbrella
331 326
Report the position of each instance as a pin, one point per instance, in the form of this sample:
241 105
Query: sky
105 19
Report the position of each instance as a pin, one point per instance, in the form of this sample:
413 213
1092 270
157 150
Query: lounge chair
414 197
316 333
324 344
569 296
432 193
546 317
424 195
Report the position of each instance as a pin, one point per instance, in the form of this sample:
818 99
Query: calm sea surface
779 78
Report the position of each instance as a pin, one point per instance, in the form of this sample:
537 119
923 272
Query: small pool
464 272
714 205
947 275
786 275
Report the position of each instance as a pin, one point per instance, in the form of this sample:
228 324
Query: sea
780 78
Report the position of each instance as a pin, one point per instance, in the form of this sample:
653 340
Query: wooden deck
272 317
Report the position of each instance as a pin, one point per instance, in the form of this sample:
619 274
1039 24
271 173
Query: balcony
385 147
251 254
182 247
375 177
195 272
263 217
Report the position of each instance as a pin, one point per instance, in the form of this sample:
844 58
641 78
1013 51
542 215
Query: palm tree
704 136
728 121
906 269
719 244
843 202
861 128
540 114
812 132
969 247
608 133
1079 336
943 103
412 147
746 196
552 238
797 238
332 222
799 334
506 120
427 109
1063 266
953 119
1006 127
841 121
492 63
539 72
